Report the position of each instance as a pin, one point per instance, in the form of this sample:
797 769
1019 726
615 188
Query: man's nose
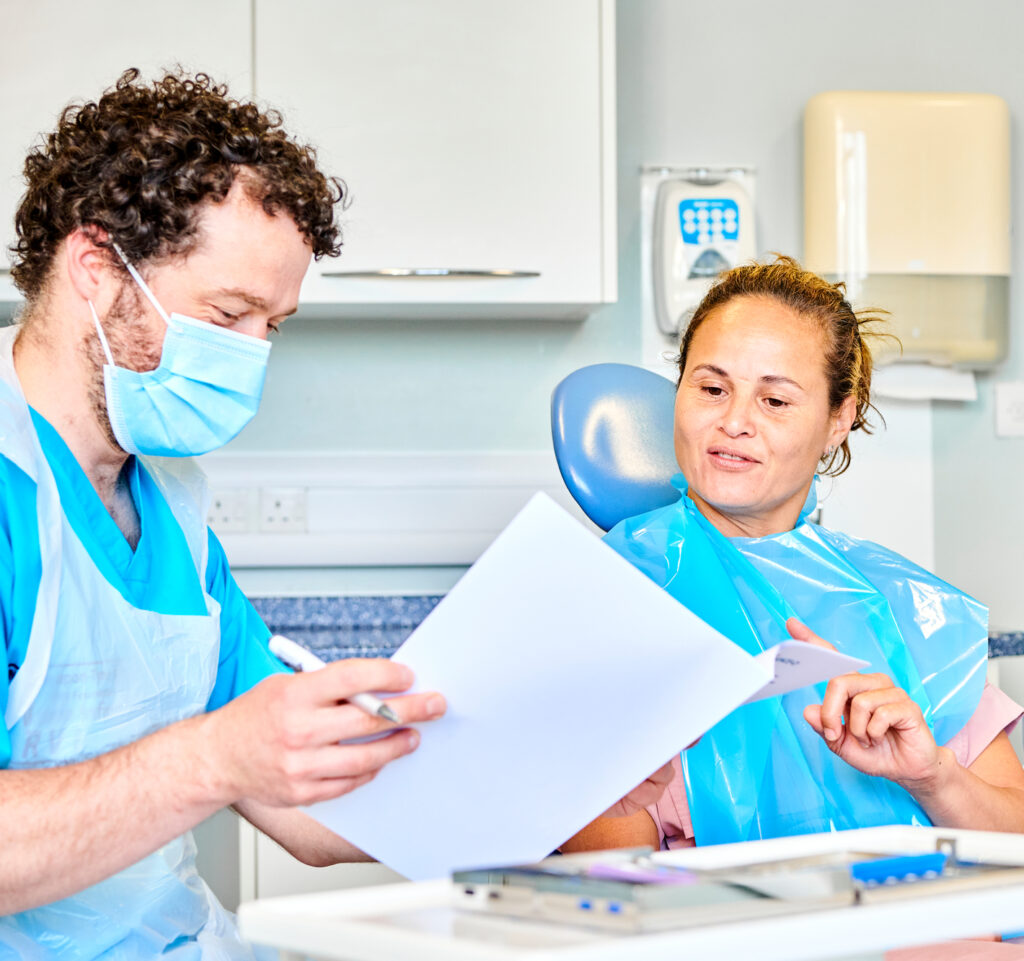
254 326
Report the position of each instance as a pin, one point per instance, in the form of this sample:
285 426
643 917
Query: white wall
697 83
726 82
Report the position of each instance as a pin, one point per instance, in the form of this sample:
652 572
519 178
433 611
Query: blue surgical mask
205 390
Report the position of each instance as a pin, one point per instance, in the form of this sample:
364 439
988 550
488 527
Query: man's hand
643 794
279 743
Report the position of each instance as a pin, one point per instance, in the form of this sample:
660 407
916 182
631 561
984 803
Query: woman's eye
226 315
712 391
776 403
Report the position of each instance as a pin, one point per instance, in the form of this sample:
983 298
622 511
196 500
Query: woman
774 373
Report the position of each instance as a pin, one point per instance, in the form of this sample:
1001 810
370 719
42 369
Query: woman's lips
731 459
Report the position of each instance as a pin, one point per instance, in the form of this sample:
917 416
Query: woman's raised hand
871 724
884 733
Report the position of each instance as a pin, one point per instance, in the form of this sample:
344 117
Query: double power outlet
258 510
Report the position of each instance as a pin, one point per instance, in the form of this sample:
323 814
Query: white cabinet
477 137
275 872
474 136
58 51
241 864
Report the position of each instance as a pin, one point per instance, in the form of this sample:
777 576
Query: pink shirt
995 713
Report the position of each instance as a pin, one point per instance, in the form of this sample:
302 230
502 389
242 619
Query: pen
299 659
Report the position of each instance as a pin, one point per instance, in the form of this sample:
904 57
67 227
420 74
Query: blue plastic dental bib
762 771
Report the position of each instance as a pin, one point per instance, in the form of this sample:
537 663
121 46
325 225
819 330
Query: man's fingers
325 790
345 721
340 680
801 632
356 760
414 708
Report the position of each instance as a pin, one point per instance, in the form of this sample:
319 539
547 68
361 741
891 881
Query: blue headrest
612 426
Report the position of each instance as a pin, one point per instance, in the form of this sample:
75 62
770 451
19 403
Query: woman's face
752 415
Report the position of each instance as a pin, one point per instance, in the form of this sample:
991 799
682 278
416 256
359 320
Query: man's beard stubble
129 335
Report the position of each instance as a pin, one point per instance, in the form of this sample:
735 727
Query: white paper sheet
570 677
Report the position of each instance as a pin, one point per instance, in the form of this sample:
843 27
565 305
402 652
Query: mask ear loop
137 277
103 336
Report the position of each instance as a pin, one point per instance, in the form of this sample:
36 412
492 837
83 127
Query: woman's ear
87 264
842 421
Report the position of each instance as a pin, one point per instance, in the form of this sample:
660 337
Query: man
132 703
164 233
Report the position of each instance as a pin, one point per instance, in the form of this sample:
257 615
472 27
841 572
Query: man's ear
87 264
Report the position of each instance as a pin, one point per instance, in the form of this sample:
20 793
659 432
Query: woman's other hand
643 794
801 632
877 728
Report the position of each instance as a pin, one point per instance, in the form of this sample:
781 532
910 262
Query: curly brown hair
138 162
847 356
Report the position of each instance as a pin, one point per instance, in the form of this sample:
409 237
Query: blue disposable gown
159 575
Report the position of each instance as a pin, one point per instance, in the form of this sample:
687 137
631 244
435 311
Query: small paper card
797 664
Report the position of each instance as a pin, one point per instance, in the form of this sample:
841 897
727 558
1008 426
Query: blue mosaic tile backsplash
337 627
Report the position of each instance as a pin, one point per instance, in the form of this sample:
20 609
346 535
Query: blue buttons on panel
709 220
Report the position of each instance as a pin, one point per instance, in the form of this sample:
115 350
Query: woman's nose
738 417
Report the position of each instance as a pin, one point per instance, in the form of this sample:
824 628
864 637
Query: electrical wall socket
282 510
233 511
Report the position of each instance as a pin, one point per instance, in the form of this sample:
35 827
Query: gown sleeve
20 572
245 658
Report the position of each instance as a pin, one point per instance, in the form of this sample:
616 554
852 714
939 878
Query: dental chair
612 426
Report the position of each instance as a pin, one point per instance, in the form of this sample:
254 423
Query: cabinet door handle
428 272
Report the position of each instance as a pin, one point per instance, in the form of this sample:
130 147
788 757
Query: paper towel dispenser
907 200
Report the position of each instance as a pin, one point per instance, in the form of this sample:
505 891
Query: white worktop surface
405 921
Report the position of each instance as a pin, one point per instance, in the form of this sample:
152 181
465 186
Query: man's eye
713 391
776 403
226 315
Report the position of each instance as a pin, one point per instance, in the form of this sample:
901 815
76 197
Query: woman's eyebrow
711 368
779 379
766 379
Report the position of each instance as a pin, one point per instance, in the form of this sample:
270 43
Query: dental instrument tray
631 890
